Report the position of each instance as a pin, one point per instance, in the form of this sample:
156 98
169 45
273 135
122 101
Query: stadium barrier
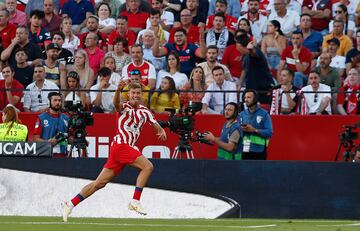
34 149
308 138
263 189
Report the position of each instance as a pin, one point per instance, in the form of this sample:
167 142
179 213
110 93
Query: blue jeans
273 61
300 80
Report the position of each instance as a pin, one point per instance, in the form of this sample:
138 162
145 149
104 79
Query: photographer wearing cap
229 140
52 126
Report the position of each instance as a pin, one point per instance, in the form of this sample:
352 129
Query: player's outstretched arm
117 97
160 132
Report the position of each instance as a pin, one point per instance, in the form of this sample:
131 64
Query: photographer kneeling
228 142
51 126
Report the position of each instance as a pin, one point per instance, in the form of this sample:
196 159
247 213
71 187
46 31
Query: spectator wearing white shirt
257 20
110 63
102 93
214 102
148 40
167 17
351 7
341 13
288 19
317 103
71 42
106 23
173 71
36 94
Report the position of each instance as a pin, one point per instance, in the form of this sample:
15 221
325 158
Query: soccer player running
132 118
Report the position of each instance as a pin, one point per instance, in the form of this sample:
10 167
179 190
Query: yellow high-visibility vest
18 132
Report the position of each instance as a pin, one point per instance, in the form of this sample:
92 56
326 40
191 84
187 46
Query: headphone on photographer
255 96
236 109
51 94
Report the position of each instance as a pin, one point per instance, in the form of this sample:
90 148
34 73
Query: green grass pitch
8 223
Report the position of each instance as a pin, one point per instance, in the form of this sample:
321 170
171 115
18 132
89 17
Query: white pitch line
340 225
141 225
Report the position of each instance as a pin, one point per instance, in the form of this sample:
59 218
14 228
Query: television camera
182 122
79 120
347 138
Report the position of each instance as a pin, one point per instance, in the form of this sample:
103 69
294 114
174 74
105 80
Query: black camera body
60 137
182 122
79 120
348 134
347 140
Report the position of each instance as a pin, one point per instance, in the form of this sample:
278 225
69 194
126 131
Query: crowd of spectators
303 57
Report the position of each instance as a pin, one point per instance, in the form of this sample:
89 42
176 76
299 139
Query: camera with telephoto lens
182 122
348 135
347 140
79 120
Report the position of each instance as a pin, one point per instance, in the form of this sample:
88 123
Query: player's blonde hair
135 86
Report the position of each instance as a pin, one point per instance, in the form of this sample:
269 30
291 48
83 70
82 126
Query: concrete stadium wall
264 189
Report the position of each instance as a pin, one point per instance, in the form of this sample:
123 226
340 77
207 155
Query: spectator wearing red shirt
7 30
347 98
297 58
10 96
320 11
17 17
232 58
136 17
92 25
51 21
94 53
123 32
230 21
192 31
147 70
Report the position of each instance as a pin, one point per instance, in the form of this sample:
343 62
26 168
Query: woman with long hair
196 83
73 86
245 25
173 71
11 129
82 67
71 41
273 43
121 58
341 13
166 97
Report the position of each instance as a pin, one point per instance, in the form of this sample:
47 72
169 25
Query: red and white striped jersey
131 122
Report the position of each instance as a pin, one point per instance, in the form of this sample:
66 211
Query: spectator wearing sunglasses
135 77
317 96
36 94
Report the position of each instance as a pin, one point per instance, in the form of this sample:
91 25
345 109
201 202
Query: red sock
137 193
77 199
